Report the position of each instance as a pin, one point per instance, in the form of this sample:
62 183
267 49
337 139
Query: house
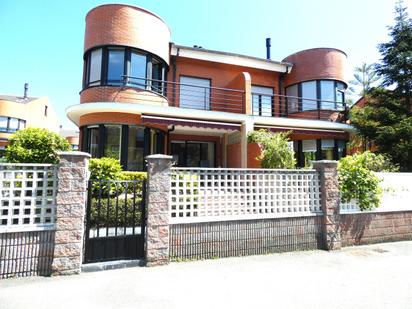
72 137
19 112
143 94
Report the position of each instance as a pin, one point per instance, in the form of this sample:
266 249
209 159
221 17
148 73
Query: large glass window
327 94
327 146
115 68
135 151
10 124
113 141
291 99
13 124
262 98
309 96
128 144
109 65
95 67
4 124
193 154
309 151
138 70
330 93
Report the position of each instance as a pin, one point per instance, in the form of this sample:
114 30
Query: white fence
205 194
397 194
27 197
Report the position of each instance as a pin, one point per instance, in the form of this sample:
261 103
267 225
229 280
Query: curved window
315 95
127 143
116 66
10 124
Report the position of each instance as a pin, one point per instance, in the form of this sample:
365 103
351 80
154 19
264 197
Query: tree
386 120
33 145
365 76
275 150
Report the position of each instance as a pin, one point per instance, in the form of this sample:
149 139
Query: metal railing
191 96
295 107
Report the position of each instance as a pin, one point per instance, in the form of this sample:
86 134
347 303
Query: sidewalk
375 276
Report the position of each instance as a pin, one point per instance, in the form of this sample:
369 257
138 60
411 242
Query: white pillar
247 126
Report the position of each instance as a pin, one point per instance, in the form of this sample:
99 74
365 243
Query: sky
42 40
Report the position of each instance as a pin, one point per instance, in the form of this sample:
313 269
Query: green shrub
105 214
357 179
34 145
127 175
101 170
138 177
276 152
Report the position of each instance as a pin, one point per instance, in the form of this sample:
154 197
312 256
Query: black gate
115 220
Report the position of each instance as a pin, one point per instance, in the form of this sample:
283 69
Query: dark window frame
186 142
150 58
259 95
7 129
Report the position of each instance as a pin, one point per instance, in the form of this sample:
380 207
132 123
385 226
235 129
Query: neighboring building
19 112
72 136
142 95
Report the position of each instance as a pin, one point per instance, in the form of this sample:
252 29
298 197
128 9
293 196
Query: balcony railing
193 96
297 107
233 100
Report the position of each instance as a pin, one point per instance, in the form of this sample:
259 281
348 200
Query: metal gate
115 220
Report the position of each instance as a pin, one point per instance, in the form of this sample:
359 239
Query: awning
191 123
334 133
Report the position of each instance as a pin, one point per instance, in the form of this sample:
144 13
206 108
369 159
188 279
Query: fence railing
204 194
396 194
27 197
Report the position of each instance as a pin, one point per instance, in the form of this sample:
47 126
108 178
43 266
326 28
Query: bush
357 179
34 145
276 152
108 216
138 177
101 170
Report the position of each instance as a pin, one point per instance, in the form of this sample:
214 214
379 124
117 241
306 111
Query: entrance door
115 221
193 153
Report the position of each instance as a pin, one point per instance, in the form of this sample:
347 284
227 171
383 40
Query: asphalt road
376 276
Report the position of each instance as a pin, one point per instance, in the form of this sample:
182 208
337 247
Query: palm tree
365 76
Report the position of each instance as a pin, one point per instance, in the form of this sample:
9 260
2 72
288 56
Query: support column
247 127
72 176
330 202
158 191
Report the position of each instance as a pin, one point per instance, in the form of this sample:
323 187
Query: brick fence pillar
71 198
158 191
330 202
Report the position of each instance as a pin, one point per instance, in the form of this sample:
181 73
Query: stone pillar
330 202
71 199
158 192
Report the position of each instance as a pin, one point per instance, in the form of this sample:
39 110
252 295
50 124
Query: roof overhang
229 58
74 113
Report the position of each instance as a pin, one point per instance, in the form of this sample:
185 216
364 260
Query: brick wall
246 237
368 228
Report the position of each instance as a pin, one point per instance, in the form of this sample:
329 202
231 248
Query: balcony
191 96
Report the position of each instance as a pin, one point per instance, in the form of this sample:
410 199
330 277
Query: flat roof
201 53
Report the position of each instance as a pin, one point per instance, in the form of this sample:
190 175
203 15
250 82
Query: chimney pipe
26 89
268 45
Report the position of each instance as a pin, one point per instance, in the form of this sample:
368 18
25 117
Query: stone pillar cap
74 153
159 156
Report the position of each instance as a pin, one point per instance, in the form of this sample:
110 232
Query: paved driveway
376 276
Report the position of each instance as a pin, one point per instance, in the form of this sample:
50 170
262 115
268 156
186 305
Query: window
327 92
197 95
341 144
128 144
95 67
10 124
292 103
45 110
327 146
309 93
262 98
115 68
138 68
309 151
193 154
110 64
